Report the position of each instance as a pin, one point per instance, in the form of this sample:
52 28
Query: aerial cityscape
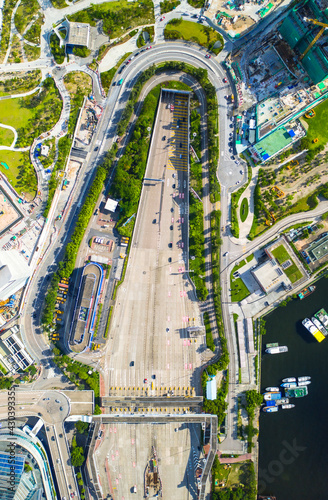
163 249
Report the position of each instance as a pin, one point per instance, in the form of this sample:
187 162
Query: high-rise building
6 478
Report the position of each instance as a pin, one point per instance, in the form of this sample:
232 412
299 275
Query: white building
14 273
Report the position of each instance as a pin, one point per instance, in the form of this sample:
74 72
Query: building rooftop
211 391
318 249
78 34
270 275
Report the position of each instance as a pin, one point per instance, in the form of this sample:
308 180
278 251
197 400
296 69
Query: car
225 254
230 150
170 259
241 172
208 56
164 137
96 148
40 414
61 408
60 435
145 380
232 157
136 54
194 16
167 330
173 175
57 400
154 221
172 209
34 315
180 144
154 377
237 162
46 399
225 80
170 244
173 186
171 227
52 438
58 460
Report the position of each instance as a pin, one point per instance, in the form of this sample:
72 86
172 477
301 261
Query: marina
303 426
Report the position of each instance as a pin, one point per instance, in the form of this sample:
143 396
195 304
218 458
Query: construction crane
316 38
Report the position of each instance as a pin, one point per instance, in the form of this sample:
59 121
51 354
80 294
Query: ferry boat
304 382
272 389
306 291
273 344
276 350
302 379
270 409
281 401
289 384
289 379
313 330
320 326
322 316
287 407
296 392
269 396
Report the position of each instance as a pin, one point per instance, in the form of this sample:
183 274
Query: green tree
77 456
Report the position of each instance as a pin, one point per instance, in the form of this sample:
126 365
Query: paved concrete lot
124 450
148 342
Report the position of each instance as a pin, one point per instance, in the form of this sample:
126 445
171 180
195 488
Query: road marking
184 342
190 366
169 294
186 366
114 429
168 366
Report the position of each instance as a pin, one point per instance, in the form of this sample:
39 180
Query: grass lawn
116 15
193 32
78 80
6 137
292 272
244 210
16 161
316 129
34 114
238 289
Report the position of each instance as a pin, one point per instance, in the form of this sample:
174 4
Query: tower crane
316 38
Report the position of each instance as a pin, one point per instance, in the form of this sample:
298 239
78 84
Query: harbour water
293 457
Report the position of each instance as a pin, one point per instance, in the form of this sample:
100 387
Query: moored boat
269 396
272 389
273 344
313 330
296 392
270 409
304 382
281 401
287 407
302 379
276 350
320 326
306 291
288 384
322 316
289 379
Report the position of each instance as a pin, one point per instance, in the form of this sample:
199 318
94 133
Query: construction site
237 17
283 77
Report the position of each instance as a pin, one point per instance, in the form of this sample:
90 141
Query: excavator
316 38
